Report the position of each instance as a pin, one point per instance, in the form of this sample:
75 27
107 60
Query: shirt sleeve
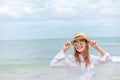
59 61
97 60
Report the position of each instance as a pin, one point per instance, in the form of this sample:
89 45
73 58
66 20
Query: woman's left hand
97 47
93 43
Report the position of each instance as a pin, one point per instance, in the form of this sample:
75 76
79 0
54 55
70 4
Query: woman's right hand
66 46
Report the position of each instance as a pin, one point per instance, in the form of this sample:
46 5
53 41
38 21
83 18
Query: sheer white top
77 71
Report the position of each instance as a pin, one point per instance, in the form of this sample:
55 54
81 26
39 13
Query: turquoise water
29 59
34 51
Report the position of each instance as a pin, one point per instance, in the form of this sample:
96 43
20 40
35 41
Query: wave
116 58
110 43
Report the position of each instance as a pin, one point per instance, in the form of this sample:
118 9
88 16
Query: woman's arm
66 46
60 60
97 47
104 58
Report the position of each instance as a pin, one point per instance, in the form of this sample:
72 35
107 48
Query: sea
29 59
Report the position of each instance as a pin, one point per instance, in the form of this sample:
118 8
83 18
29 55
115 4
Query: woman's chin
80 50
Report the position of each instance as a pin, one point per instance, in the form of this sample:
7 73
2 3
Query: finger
65 44
93 41
68 43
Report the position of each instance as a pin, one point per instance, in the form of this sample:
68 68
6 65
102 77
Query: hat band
77 37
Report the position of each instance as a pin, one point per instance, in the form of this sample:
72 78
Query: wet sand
44 72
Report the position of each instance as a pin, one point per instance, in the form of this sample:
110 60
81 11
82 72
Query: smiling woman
80 65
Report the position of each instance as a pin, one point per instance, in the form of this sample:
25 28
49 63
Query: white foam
116 58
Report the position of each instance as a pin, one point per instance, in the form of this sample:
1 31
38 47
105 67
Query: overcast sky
38 19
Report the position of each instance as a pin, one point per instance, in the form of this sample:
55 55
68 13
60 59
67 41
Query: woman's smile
79 45
80 48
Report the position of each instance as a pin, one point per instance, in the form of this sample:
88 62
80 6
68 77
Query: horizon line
52 38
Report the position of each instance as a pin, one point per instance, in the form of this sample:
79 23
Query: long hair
86 55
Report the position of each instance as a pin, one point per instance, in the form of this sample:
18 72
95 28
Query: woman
80 65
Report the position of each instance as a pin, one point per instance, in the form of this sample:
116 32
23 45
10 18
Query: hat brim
79 38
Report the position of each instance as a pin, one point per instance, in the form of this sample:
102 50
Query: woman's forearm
97 47
100 50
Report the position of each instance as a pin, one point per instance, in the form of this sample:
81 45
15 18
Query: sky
46 19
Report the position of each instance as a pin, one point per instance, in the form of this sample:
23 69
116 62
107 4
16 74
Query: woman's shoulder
71 57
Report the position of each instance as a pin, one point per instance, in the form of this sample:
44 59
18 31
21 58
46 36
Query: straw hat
80 35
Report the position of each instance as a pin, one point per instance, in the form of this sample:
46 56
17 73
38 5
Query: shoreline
109 71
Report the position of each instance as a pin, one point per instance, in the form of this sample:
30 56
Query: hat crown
80 34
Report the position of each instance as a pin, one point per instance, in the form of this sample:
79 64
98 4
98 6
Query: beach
30 59
44 72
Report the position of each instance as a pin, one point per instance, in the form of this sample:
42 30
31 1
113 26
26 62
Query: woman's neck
82 52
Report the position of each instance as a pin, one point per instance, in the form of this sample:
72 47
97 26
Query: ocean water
29 59
28 51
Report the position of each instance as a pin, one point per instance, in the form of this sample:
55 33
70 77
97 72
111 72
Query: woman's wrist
63 50
97 47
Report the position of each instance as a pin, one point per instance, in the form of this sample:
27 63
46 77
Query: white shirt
77 71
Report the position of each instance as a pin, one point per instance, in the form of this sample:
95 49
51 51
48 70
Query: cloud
106 7
37 17
85 7
15 8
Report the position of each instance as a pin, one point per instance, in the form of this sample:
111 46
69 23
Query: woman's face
79 45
